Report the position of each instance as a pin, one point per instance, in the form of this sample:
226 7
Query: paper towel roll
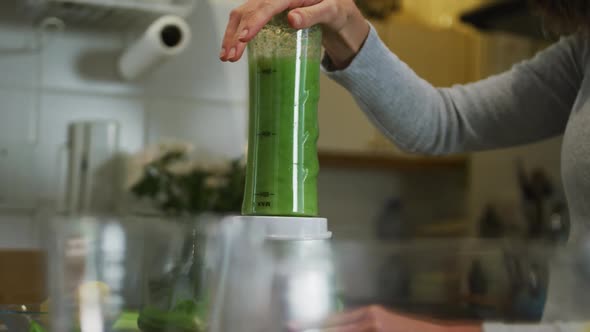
166 37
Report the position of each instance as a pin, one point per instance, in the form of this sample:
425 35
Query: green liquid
282 169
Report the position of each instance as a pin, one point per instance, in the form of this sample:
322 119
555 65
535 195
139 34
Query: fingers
247 20
364 326
346 318
325 12
255 18
226 46
375 319
244 23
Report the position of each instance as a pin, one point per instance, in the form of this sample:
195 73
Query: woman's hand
345 29
377 319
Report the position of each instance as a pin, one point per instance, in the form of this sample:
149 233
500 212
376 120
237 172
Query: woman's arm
528 103
378 319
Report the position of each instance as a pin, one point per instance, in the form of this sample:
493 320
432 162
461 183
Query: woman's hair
565 15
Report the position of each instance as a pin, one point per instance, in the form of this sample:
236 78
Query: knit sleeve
530 102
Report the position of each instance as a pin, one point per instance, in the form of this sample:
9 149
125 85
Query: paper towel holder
171 35
166 37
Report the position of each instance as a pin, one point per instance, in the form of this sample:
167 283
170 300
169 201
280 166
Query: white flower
134 175
136 164
219 167
175 147
181 167
211 166
215 182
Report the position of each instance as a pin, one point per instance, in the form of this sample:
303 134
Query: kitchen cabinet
441 12
441 55
24 280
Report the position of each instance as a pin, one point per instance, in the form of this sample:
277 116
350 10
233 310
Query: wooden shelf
383 161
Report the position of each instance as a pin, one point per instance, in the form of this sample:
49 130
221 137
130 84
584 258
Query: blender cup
284 66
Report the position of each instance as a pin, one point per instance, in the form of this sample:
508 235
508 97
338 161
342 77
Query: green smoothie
283 165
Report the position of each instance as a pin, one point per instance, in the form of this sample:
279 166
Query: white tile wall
83 61
73 77
18 115
212 126
197 73
17 60
18 183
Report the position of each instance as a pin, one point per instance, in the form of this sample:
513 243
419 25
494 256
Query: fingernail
232 53
296 19
244 33
222 53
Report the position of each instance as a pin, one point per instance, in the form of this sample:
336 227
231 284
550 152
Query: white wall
73 77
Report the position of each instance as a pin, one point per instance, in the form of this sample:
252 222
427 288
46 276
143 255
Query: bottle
284 73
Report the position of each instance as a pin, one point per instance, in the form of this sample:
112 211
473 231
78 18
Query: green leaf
126 322
184 317
36 327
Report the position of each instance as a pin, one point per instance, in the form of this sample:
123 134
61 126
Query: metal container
92 183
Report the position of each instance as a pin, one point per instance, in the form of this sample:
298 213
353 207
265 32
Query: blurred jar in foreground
175 279
101 269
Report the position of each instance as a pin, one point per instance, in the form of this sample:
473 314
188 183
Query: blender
277 267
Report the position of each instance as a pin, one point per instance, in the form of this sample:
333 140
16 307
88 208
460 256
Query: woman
544 97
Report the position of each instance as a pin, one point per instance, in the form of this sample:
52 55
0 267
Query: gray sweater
537 99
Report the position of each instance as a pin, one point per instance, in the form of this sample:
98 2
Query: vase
97 267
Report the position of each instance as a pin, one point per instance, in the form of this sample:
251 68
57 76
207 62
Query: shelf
382 161
161 7
113 14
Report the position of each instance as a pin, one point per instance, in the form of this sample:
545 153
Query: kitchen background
372 194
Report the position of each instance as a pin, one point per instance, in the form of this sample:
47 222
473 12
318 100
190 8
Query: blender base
278 270
288 228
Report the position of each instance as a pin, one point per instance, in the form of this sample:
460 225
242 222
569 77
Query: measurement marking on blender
265 194
266 134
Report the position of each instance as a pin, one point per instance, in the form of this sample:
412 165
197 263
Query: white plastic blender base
264 260
288 228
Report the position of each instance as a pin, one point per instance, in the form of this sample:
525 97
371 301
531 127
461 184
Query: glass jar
174 291
284 66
